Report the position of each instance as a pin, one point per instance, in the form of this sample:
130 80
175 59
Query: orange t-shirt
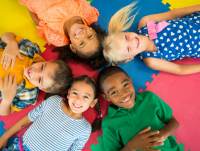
54 13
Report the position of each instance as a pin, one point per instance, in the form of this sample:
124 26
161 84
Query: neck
68 111
150 46
70 22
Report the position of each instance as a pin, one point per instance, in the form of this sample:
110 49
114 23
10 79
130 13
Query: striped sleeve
80 142
37 112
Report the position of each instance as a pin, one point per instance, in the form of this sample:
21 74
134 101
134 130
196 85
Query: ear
68 93
105 97
72 48
94 102
129 59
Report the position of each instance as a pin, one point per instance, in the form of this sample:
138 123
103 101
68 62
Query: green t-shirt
121 125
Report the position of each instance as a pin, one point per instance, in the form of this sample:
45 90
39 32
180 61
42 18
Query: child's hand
8 90
9 54
145 140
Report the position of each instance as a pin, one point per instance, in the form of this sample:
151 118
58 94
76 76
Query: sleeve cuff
15 109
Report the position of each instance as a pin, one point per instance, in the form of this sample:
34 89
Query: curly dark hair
96 60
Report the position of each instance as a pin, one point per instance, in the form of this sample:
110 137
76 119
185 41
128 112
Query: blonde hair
119 22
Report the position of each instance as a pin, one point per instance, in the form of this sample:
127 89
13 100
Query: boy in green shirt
130 113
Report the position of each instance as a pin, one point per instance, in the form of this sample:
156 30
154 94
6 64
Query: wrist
165 133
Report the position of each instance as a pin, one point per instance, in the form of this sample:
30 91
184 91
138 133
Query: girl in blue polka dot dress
161 38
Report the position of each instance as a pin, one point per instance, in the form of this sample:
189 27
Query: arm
144 140
23 122
11 50
167 66
35 18
171 126
8 91
172 14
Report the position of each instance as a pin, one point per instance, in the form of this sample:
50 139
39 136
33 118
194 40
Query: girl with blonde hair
161 38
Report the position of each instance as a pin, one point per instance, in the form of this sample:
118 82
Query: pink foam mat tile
181 93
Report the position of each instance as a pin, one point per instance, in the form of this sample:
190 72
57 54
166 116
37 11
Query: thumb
19 56
145 130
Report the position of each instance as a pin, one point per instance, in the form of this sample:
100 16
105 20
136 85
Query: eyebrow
84 42
84 93
114 87
42 77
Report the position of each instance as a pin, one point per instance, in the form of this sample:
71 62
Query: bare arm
172 14
171 126
35 18
167 66
22 123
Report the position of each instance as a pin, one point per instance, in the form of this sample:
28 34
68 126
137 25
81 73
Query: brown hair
96 125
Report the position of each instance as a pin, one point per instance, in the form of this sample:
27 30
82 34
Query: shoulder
55 99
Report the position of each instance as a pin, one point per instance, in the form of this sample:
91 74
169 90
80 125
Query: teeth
78 31
126 99
76 105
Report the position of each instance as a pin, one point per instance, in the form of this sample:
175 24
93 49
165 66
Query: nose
132 41
35 73
78 99
82 34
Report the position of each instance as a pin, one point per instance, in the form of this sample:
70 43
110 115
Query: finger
2 58
13 63
4 63
145 130
10 79
6 80
155 144
8 63
15 80
151 133
155 138
19 56
1 83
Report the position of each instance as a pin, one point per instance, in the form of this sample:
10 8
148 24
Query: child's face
81 97
118 89
132 44
83 39
40 74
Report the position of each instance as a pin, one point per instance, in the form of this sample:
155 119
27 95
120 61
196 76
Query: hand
145 140
3 142
8 90
164 134
9 55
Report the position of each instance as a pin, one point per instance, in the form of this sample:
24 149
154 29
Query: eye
125 37
42 67
128 49
39 80
90 36
126 84
114 92
81 43
86 97
74 93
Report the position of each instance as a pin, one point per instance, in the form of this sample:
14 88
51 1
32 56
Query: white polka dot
165 34
178 31
172 45
172 34
177 48
180 26
175 39
161 37
168 39
180 37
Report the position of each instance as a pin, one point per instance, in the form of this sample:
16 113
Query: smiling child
130 113
19 82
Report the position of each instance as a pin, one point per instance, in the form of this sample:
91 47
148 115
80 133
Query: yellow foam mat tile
180 3
16 18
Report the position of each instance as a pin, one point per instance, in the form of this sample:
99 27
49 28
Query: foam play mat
179 92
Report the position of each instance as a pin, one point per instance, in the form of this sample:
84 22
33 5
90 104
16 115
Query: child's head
118 45
84 93
117 87
92 56
50 76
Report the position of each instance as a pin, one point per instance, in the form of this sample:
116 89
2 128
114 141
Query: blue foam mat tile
2 131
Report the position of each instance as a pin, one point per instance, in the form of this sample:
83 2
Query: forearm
189 69
8 38
171 126
181 12
128 147
35 18
5 108
22 123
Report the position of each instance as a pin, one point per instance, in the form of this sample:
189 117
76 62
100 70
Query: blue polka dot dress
178 40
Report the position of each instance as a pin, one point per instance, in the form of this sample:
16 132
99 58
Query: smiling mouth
127 99
28 73
138 42
76 106
77 31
